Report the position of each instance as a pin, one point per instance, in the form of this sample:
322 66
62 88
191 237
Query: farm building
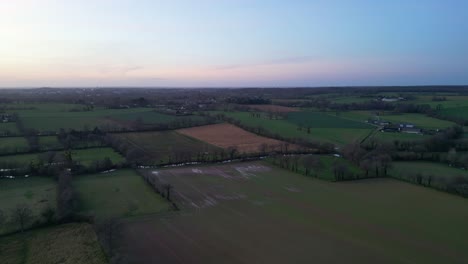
411 130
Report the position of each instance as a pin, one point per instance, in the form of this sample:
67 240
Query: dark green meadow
258 213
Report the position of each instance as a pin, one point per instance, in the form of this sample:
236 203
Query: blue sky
233 43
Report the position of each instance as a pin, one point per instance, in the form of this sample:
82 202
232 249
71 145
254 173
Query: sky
232 43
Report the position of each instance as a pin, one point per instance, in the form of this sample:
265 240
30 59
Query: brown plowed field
274 108
227 135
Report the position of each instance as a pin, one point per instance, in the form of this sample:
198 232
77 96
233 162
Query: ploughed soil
227 135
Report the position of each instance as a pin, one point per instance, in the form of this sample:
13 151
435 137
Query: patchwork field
229 136
119 193
255 213
341 136
274 108
52 117
457 112
36 192
163 147
67 244
8 128
83 156
324 120
440 173
13 144
419 120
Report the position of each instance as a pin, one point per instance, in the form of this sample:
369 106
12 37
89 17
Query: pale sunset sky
232 43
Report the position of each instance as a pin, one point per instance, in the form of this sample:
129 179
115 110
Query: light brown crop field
227 135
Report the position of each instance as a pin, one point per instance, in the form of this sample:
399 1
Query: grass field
13 144
255 213
458 112
287 129
52 117
160 146
83 156
87 156
326 172
120 193
227 135
49 142
37 192
324 120
420 120
441 172
274 108
67 244
8 127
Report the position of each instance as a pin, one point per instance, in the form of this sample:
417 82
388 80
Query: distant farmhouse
403 128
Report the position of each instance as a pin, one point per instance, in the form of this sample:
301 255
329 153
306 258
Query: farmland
228 136
340 136
161 147
117 194
249 201
70 243
274 108
13 144
82 156
36 192
440 173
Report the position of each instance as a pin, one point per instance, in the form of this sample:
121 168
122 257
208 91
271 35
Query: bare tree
108 232
22 214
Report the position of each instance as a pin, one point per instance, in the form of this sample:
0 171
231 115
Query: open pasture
274 108
456 112
8 129
440 173
229 136
36 192
83 156
13 145
162 147
340 136
119 193
51 119
324 120
67 244
256 213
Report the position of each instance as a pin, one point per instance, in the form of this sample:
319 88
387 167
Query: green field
83 156
420 120
13 145
49 142
52 117
392 137
441 173
120 193
69 243
87 156
324 120
161 147
457 112
254 213
339 136
8 127
37 192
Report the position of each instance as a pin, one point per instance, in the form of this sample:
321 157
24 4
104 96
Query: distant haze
208 43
